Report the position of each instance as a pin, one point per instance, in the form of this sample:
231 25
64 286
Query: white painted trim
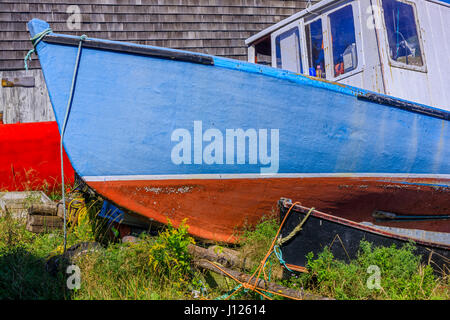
273 36
251 56
440 2
260 176
288 20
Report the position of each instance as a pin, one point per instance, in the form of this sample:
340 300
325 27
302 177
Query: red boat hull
217 209
30 157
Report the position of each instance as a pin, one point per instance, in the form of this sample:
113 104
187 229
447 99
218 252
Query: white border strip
259 176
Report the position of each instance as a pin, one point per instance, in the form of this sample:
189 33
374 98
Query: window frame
402 65
359 50
305 23
287 28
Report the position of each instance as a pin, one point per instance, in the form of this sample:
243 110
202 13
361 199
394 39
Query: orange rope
263 262
248 285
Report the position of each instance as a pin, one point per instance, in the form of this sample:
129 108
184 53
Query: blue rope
226 295
35 40
270 276
279 255
69 104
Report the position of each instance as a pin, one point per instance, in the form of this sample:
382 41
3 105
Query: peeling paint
168 190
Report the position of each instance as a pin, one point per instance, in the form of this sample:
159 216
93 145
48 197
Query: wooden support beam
224 256
260 284
227 257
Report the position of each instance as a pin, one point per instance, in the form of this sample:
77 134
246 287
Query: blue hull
127 107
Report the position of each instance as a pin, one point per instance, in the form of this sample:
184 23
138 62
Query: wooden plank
139 18
41 5
41 229
44 209
152 27
25 104
41 220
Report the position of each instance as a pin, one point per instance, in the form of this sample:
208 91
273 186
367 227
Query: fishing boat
175 135
30 157
343 237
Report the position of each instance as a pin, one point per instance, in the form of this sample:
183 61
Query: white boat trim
314 7
261 176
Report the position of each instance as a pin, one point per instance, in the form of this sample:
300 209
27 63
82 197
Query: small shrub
169 254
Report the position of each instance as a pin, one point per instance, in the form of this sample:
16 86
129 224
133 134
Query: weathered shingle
215 27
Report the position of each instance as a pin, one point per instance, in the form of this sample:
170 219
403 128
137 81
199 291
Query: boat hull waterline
172 134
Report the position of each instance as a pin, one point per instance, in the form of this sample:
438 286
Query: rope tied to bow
35 40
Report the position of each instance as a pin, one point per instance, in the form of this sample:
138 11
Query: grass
152 268
160 267
22 263
382 273
402 276
30 180
257 240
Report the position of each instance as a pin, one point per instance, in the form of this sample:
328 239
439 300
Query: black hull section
343 237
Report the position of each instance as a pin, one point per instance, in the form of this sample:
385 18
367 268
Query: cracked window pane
401 28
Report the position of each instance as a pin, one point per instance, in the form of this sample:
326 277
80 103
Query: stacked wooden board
45 218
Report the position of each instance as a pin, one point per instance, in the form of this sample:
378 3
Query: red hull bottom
218 209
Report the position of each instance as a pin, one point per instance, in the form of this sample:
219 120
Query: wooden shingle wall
20 104
216 27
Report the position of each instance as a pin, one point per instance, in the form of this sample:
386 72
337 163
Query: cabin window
401 28
314 42
288 51
343 40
